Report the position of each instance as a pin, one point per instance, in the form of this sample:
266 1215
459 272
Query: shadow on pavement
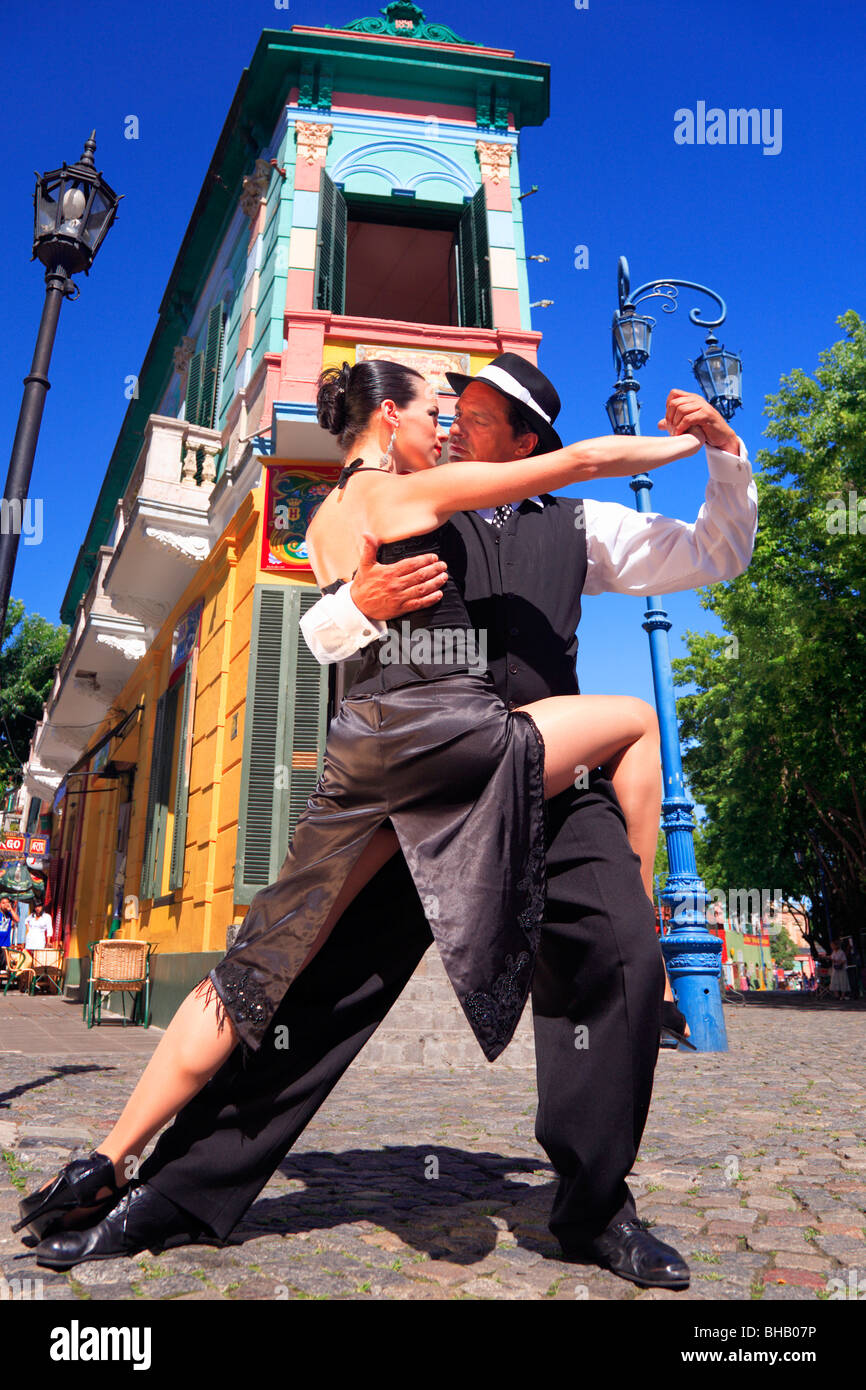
56 1074
389 1188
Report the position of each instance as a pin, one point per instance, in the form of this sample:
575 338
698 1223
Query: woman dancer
422 756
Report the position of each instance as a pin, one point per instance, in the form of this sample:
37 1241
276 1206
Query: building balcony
96 664
162 532
160 536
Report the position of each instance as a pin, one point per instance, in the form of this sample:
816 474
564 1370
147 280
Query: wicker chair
48 965
118 964
16 967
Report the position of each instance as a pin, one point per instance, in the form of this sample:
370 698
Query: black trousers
596 995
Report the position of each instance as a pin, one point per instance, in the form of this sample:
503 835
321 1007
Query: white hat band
511 387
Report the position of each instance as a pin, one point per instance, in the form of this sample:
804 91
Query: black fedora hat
526 387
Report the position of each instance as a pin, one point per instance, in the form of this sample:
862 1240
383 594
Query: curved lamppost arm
667 289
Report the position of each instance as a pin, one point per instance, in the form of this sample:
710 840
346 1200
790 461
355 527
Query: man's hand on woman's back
388 591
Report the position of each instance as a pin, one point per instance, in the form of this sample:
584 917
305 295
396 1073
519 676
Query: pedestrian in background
8 922
839 970
37 929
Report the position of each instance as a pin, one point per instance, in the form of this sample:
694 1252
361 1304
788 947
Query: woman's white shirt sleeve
335 628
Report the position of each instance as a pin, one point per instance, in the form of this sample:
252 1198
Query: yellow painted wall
335 354
198 914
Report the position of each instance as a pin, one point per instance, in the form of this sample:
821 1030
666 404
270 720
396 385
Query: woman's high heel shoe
75 1186
673 1027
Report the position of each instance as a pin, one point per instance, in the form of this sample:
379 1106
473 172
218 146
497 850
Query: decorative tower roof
404 87
405 21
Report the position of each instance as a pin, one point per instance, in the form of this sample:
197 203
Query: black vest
522 584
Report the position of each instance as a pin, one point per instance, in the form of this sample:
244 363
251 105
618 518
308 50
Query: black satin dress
422 741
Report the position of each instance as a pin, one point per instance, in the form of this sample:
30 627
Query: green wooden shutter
330 272
212 362
474 264
146 885
193 388
309 722
264 742
163 731
163 788
285 724
181 782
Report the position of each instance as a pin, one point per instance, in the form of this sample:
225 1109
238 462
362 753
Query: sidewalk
51 1026
430 1185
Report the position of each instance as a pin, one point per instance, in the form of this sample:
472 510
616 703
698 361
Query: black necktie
501 515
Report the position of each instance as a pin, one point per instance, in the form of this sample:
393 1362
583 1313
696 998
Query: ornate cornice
131 647
255 188
313 137
182 355
148 611
405 21
495 160
191 549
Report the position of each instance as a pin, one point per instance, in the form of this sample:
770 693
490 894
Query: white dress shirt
627 552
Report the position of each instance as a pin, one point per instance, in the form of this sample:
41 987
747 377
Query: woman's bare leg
194 1046
619 734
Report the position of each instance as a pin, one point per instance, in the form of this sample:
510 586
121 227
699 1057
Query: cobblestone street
431 1185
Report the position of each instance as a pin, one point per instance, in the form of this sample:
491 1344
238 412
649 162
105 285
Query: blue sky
779 236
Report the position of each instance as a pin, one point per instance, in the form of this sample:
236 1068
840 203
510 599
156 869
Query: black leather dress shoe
74 1189
629 1250
142 1220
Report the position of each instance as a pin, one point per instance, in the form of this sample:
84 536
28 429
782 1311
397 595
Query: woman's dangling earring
388 456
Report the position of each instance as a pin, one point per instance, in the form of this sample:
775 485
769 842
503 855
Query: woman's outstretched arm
410 504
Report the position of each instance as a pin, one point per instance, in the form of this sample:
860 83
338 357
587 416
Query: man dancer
598 963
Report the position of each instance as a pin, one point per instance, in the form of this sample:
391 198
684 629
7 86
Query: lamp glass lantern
720 376
617 412
632 334
74 208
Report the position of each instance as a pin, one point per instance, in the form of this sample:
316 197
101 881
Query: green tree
29 653
660 864
782 949
776 724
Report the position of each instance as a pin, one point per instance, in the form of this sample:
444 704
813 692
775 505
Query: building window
386 259
202 388
168 791
284 734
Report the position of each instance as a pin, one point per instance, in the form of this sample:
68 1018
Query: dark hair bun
347 397
331 398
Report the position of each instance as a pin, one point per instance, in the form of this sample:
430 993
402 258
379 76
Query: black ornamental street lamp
74 208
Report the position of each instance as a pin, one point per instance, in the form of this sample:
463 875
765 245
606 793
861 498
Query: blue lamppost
692 953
